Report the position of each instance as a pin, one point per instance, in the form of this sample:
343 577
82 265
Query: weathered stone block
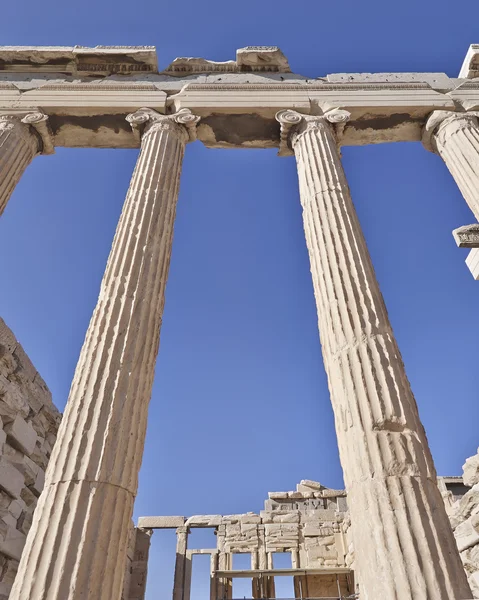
13 543
467 533
160 522
11 480
39 482
7 338
204 521
21 435
471 470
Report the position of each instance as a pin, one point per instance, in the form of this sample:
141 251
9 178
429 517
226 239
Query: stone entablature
28 428
76 85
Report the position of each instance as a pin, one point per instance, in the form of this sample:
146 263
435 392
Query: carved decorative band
146 121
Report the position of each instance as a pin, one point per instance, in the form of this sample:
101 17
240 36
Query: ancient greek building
81 537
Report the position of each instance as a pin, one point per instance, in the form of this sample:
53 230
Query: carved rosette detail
183 123
293 124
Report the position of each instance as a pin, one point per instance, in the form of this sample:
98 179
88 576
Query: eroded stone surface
28 429
464 515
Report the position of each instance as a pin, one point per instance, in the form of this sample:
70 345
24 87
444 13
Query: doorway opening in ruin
284 585
242 586
200 577
161 563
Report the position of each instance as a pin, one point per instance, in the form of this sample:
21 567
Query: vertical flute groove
76 548
456 139
404 546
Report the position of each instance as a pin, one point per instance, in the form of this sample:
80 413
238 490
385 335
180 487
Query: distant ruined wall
28 427
464 516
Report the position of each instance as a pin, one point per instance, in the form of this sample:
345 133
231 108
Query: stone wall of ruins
28 427
464 516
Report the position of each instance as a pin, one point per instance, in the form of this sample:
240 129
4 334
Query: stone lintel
79 60
467 236
160 522
204 521
470 66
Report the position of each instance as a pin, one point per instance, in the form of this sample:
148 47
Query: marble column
403 542
76 547
180 564
455 137
20 142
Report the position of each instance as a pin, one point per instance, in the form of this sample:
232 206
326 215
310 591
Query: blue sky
240 403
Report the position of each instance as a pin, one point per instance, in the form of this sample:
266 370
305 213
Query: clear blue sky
240 404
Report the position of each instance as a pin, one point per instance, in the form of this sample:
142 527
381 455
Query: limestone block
204 521
13 543
12 401
25 522
21 435
250 518
9 520
25 369
10 572
39 482
263 58
467 533
15 507
248 528
28 498
310 485
286 517
471 470
474 583
465 507
11 480
231 519
7 339
4 590
277 495
295 495
161 522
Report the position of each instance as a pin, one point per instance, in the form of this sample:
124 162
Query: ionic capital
182 123
32 127
294 124
442 123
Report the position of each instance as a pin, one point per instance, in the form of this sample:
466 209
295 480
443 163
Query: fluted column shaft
403 542
19 143
455 137
76 548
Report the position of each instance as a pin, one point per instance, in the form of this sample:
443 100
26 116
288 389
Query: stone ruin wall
464 516
28 427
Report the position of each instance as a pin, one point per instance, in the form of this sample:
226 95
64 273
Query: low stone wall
464 516
28 427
